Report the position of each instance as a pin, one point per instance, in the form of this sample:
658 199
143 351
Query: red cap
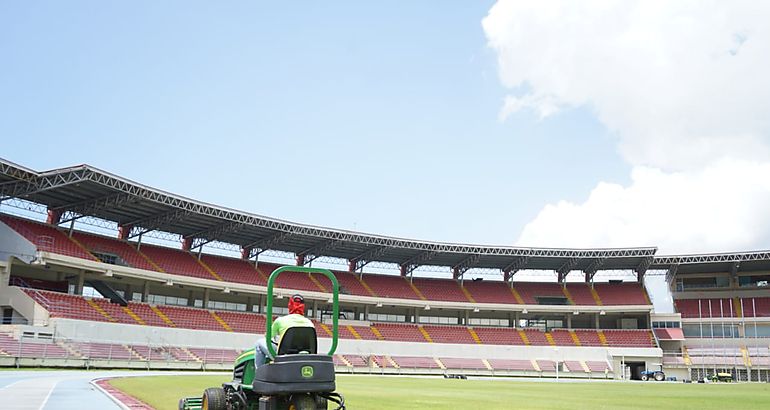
297 305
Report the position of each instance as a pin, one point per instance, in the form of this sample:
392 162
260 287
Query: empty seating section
349 284
125 251
399 332
460 364
536 337
630 293
66 306
547 365
234 270
597 366
727 355
498 336
356 361
145 312
382 361
344 333
440 289
114 310
410 362
581 294
588 337
108 351
709 308
14 347
78 307
755 306
511 365
365 332
573 366
530 291
562 337
243 322
629 338
191 318
179 262
449 334
46 237
296 281
390 286
484 291
214 355
176 261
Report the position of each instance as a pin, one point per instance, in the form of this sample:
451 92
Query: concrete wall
23 304
13 244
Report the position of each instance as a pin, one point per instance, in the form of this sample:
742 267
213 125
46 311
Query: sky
548 123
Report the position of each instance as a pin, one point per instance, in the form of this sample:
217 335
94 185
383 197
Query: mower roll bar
301 269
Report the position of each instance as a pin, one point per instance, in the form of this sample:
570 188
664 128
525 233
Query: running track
58 389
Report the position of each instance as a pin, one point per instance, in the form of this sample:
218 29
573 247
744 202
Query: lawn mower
297 378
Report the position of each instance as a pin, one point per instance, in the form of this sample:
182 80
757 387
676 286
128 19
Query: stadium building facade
184 307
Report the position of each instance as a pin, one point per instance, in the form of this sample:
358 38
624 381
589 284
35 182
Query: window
474 321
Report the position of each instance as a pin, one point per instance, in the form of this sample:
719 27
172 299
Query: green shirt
282 323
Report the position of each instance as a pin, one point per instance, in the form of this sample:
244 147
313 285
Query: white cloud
681 82
722 207
683 85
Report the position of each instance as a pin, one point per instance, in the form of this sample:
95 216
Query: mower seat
297 340
297 368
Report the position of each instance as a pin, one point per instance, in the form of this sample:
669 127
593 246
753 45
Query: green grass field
371 392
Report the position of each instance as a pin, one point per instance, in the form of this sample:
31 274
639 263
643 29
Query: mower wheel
321 403
214 399
645 377
302 402
181 404
659 377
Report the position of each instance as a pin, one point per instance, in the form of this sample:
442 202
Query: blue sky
381 118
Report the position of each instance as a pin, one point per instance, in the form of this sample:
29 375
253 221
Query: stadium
100 272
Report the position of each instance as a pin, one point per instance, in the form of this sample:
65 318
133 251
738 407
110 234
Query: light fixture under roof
427 307
602 313
524 311
226 290
475 310
379 304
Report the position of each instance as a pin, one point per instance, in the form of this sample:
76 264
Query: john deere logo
307 371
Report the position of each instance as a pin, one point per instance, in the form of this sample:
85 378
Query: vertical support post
206 297
186 244
146 291
80 282
124 231
54 217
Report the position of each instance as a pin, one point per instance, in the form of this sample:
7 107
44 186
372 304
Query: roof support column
403 270
300 260
187 244
124 231
245 253
146 291
54 216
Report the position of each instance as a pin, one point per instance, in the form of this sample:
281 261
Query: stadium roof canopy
83 190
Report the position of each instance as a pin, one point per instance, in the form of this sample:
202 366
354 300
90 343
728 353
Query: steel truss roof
87 191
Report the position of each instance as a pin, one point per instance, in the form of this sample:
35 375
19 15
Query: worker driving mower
293 377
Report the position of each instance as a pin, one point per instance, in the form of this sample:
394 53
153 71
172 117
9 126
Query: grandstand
78 298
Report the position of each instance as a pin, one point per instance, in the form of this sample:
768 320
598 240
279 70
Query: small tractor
297 378
656 375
